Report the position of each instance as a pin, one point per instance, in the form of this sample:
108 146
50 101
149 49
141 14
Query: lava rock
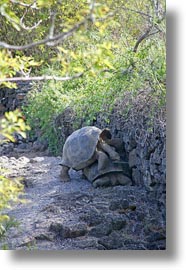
92 217
119 204
101 230
113 241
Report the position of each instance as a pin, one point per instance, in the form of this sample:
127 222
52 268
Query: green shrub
105 53
10 189
90 95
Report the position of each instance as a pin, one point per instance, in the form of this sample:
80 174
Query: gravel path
74 215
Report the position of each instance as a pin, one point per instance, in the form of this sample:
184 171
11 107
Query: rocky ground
76 216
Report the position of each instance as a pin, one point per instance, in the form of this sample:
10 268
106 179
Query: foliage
10 189
9 65
98 28
117 46
43 106
91 95
38 21
13 122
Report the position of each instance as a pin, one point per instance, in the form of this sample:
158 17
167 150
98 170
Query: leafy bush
124 50
43 106
10 189
89 48
90 95
12 122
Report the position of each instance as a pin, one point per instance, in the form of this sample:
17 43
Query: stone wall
10 99
141 123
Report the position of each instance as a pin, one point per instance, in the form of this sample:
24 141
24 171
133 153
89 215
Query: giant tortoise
114 174
83 147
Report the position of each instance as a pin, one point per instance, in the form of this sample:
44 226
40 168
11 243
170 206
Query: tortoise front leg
103 160
110 151
64 174
117 143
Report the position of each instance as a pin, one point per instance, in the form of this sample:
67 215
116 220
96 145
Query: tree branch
137 11
52 27
32 5
147 34
141 38
27 27
49 41
42 78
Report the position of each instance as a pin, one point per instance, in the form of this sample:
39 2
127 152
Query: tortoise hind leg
123 180
103 181
64 174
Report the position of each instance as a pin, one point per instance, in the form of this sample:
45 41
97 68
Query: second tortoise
85 146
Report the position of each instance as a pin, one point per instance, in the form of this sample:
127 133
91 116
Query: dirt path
74 215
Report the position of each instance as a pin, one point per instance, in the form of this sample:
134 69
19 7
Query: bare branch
32 5
30 28
27 27
52 27
51 39
147 34
137 11
61 37
42 78
92 5
27 46
48 41
141 38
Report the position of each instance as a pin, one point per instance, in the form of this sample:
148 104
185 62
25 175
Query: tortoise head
105 134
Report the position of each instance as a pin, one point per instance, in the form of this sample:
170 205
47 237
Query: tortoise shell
80 147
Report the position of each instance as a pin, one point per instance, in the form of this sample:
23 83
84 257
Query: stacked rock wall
141 123
10 99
